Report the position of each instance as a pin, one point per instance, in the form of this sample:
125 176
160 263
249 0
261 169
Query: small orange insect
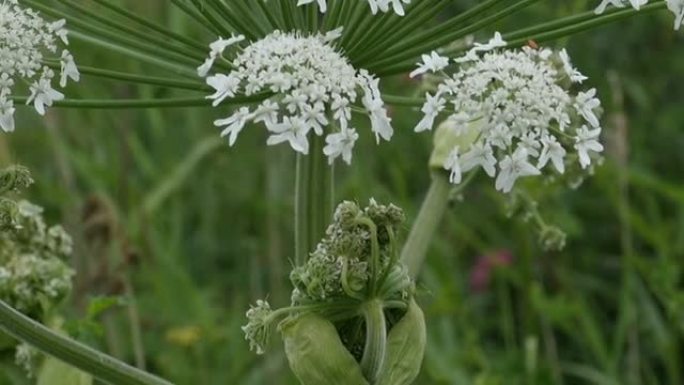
532 44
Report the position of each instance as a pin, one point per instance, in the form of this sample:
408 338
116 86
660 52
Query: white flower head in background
27 43
397 6
511 113
636 4
675 6
310 88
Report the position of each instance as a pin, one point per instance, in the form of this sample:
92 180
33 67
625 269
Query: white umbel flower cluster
675 6
376 5
27 44
311 88
513 115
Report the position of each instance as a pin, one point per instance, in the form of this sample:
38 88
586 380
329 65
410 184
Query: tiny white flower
292 130
574 75
314 117
225 86
587 141
586 103
397 5
341 143
58 29
496 42
636 4
677 7
530 142
479 155
432 107
431 63
513 167
216 49
6 115
453 165
340 108
69 69
333 35
554 152
234 124
43 95
267 112
381 124
219 46
376 5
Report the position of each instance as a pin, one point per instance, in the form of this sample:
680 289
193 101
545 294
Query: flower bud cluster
340 265
513 112
376 5
308 87
33 273
28 45
339 272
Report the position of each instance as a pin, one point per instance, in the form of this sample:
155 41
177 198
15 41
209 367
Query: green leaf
55 372
99 305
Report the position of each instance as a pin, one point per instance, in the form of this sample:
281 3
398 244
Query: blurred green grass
190 230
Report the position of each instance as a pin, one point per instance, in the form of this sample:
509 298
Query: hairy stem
100 365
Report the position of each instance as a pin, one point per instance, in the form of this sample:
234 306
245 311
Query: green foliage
192 230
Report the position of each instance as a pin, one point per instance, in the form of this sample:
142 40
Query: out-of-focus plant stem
425 225
100 365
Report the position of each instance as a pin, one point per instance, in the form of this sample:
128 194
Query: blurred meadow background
176 232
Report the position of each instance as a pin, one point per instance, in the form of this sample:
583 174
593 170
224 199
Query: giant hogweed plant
303 70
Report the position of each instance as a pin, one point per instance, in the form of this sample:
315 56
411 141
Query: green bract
405 348
448 135
316 353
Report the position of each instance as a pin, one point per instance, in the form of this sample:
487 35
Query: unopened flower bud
552 238
14 178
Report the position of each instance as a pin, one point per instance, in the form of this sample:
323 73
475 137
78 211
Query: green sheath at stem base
424 227
101 366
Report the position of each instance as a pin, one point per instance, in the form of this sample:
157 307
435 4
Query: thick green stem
376 340
319 191
424 227
301 224
74 353
313 199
